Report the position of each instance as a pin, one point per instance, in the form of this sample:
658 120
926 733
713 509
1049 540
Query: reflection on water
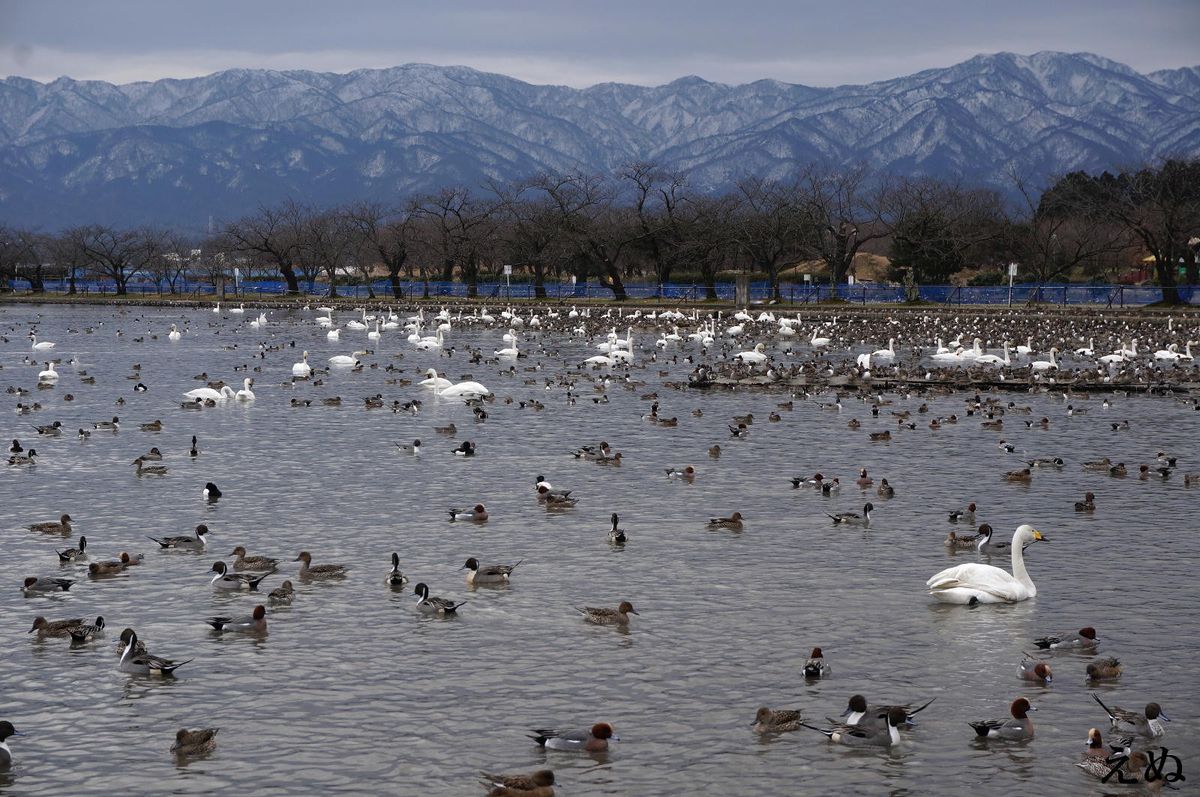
353 688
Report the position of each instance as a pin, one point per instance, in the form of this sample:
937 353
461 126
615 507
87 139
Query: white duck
977 583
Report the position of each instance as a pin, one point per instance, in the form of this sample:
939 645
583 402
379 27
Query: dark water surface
354 692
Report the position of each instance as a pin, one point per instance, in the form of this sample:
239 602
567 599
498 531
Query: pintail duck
853 518
194 742
477 514
865 735
114 424
605 616
553 499
988 543
148 470
539 784
607 459
138 648
854 423
63 526
1130 768
775 721
1031 669
1098 464
77 552
1148 724
6 732
55 628
686 473
816 666
86 632
1088 504
256 623
153 455
49 430
1120 426
858 712
428 604
1046 462
1018 728
282 594
1104 669
243 562
193 451
153 426
410 448
27 459
593 740
616 534
36 584
741 430
211 492
144 663
488 574
961 543
1084 638
734 522
16 447
184 543
395 578
320 571
966 515
224 579
863 479
110 567
1024 476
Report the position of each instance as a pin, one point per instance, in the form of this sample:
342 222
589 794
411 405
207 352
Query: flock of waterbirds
865 360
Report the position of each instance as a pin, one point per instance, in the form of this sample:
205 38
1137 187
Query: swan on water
979 583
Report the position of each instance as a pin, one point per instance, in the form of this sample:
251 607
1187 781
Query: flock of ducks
821 358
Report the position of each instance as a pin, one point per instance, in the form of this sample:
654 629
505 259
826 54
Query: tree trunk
35 282
1189 262
394 278
119 279
1166 279
71 290
289 274
710 286
539 280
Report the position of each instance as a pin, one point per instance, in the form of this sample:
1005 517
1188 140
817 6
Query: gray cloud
817 43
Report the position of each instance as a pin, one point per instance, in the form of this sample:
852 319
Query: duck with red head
1018 728
1037 671
256 623
1085 638
816 666
593 740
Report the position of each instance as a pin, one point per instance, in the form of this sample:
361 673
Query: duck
853 518
539 784
734 522
686 473
255 623
858 712
55 628
1088 504
143 663
194 742
427 604
1023 476
73 554
114 424
224 579
478 514
37 584
153 426
1031 669
282 594
184 543
605 616
1148 724
768 721
865 735
243 562
885 490
987 542
488 574
465 449
961 543
142 469
816 666
110 567
413 448
1104 669
593 740
1084 638
974 583
320 572
1018 728
832 486
62 526
7 731
966 515
863 479
395 578
85 632
30 458
616 534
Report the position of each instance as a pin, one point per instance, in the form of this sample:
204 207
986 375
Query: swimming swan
977 583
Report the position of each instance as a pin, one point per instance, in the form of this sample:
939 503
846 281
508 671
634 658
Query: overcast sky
645 42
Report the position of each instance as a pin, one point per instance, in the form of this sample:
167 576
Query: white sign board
507 270
849 279
1012 269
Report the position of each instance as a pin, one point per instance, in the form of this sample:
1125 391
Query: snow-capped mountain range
178 152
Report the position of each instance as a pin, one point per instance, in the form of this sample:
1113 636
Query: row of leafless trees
647 223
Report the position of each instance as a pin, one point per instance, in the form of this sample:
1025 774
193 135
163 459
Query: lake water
355 692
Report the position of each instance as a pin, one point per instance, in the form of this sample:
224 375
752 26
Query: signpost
1012 272
508 280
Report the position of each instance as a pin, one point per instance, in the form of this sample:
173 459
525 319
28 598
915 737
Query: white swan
752 357
600 359
174 335
44 345
343 359
465 390
374 335
259 322
818 343
226 392
302 368
1046 365
1027 348
976 583
428 343
886 354
509 352
1169 353
246 394
217 309
1088 350
49 375
241 308
333 334
434 381
992 359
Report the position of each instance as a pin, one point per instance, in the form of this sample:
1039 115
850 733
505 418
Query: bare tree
274 234
327 243
773 223
459 228
384 235
115 254
22 255
843 207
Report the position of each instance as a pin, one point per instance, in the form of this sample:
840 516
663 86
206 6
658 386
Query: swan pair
977 583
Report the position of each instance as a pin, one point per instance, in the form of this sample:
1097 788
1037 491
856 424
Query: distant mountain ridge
176 152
